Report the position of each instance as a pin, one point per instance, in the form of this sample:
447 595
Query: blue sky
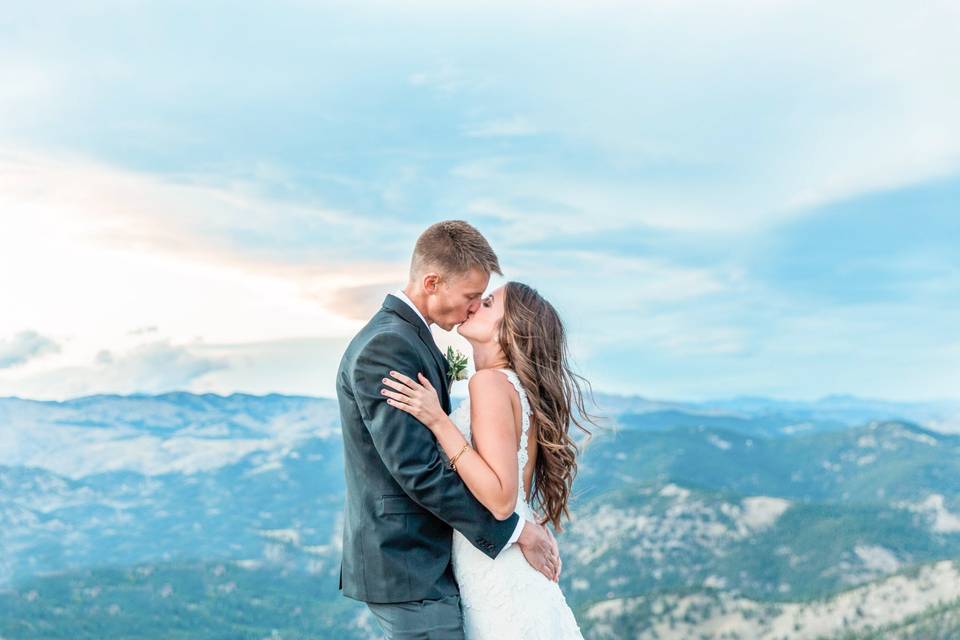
721 198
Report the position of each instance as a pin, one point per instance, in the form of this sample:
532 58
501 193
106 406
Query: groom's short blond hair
452 247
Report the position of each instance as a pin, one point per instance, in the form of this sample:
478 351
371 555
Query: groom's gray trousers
421 619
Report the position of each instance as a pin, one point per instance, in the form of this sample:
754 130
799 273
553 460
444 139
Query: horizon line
740 397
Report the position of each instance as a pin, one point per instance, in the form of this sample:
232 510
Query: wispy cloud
104 258
159 366
447 78
52 202
152 367
691 186
624 282
363 301
505 128
25 346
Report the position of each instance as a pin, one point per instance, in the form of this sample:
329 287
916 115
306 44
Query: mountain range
683 513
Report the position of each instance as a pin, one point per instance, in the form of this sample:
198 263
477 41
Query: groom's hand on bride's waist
540 549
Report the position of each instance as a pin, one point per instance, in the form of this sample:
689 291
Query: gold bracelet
453 461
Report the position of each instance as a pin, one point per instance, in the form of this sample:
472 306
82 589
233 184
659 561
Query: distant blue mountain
738 496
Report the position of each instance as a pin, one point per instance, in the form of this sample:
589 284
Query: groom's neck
419 299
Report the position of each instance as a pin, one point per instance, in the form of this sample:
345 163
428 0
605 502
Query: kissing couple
440 539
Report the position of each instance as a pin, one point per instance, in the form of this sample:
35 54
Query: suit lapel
402 309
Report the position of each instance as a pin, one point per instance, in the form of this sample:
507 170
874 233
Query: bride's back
521 403
525 432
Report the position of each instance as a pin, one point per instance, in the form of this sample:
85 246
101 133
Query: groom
402 498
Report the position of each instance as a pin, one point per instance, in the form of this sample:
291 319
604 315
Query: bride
509 442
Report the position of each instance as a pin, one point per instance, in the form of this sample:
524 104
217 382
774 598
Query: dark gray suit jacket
402 500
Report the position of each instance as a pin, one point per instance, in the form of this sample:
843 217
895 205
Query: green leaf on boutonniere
458 365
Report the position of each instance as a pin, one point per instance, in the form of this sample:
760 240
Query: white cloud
446 78
362 301
675 114
25 346
699 341
618 282
688 117
479 169
101 259
80 237
505 128
294 365
153 367
699 119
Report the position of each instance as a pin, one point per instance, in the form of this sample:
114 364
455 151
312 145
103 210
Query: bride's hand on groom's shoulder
419 399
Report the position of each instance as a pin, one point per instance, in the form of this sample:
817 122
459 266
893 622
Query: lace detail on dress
505 597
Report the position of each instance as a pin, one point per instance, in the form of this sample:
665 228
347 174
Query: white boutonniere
458 365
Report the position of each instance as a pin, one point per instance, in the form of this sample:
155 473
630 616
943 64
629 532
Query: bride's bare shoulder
492 411
487 383
490 377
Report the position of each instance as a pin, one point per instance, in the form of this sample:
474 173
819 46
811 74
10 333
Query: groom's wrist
528 533
516 532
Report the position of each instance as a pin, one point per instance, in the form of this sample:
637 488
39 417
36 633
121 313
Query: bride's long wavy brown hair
533 339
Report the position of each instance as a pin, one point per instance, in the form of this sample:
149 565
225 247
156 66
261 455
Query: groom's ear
431 282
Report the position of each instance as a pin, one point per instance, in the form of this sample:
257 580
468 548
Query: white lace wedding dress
505 598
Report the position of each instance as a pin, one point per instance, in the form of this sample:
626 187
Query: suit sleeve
409 450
